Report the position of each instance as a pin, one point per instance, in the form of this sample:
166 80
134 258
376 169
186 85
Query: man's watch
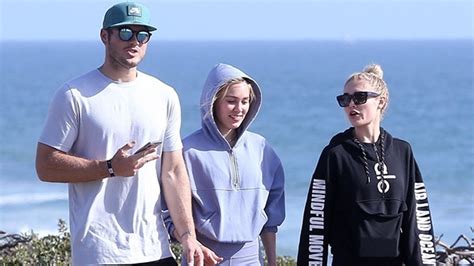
109 168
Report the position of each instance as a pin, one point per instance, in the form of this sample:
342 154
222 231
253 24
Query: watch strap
109 168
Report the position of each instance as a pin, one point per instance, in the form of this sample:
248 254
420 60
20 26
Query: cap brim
149 27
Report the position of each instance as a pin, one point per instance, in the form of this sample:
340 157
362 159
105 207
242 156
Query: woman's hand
210 258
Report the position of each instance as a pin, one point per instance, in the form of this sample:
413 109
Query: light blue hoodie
238 192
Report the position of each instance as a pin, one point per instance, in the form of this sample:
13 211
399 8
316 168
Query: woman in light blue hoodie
237 180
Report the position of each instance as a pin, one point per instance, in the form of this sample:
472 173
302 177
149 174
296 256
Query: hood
218 76
346 138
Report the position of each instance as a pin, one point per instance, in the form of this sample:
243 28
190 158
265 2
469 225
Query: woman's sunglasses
126 34
359 97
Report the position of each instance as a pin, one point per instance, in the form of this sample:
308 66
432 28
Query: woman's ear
382 102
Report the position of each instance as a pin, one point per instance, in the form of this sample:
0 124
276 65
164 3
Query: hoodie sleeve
417 238
313 245
275 206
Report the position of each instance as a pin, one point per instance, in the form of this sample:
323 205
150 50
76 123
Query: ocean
431 106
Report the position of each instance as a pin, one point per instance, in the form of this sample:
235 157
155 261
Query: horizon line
349 40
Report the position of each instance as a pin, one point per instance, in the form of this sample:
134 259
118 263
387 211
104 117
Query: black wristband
110 169
183 234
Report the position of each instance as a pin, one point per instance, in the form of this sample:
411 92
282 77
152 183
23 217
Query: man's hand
125 164
192 250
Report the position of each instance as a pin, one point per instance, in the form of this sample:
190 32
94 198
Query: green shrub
30 249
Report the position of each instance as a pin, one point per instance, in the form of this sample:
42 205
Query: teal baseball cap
127 13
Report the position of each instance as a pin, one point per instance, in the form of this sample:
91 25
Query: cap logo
134 11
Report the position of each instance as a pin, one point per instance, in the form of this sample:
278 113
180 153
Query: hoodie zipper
234 171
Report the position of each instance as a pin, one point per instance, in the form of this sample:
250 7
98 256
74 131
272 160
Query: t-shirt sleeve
61 126
172 138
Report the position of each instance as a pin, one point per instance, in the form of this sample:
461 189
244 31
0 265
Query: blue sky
247 19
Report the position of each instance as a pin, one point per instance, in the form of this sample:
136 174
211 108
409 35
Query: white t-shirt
118 219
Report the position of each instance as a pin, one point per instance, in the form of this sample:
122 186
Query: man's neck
119 75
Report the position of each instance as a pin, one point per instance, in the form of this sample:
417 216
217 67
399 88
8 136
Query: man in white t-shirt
95 125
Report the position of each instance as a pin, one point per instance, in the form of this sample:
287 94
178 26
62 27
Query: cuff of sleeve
270 229
171 229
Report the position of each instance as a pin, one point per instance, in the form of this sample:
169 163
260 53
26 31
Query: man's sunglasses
126 34
359 97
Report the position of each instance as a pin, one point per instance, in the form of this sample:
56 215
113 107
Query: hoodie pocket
378 227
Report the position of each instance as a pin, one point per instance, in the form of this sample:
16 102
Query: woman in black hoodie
366 199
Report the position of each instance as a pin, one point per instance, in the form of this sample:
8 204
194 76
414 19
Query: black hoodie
367 219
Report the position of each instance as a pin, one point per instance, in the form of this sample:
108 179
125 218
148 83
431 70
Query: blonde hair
222 91
373 76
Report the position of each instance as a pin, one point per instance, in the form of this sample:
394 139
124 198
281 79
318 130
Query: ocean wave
31 198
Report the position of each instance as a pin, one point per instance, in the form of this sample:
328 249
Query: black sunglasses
126 34
359 97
